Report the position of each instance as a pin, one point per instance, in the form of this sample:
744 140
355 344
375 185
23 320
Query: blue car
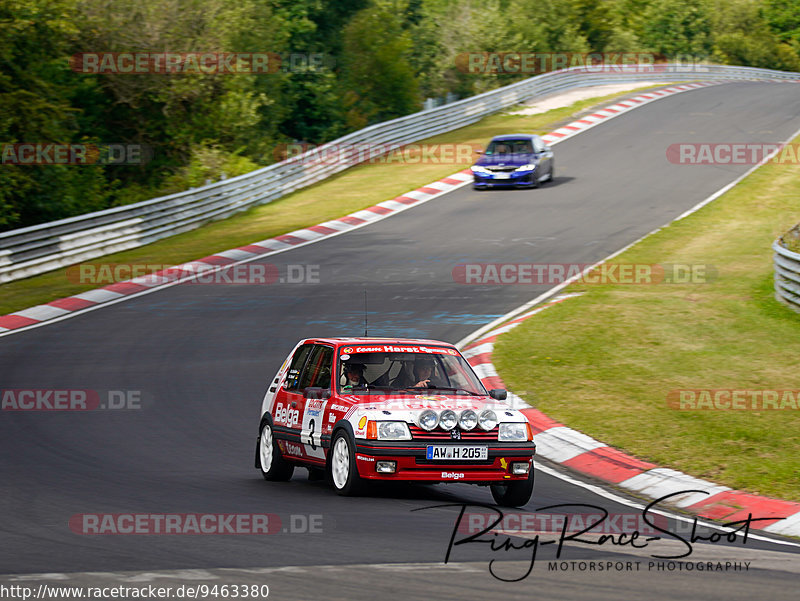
514 161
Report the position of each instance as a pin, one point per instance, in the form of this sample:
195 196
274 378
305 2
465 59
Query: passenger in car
423 372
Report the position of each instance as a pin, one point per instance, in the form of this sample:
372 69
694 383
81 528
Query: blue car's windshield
509 147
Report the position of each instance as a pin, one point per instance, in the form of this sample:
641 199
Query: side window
538 145
318 368
293 375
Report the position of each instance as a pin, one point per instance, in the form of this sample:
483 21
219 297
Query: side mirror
315 392
498 394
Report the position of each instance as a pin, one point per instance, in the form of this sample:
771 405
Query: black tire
278 470
342 466
513 494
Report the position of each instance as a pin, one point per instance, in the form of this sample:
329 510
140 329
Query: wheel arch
265 419
341 425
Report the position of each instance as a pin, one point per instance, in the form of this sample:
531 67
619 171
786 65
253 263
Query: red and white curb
589 121
67 307
581 453
63 307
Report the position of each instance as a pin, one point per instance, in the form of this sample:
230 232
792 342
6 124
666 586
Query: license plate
457 453
502 175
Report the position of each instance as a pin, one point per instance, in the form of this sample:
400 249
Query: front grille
501 169
439 435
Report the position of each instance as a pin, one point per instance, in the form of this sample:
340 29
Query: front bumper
515 179
413 466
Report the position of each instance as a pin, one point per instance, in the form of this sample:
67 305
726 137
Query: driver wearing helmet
354 376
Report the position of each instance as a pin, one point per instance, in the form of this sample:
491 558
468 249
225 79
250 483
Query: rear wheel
271 462
342 466
514 494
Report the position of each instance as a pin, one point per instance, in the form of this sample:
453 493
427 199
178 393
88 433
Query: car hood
408 407
507 160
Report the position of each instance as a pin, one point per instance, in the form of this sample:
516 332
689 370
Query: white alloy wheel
340 466
265 448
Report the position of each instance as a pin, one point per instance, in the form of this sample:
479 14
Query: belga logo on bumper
452 475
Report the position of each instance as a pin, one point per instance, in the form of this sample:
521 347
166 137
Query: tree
674 27
377 80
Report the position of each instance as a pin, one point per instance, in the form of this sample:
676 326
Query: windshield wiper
469 392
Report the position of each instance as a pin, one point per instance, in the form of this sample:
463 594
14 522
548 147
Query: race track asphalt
201 355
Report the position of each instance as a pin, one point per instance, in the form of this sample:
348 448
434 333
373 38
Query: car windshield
394 369
509 147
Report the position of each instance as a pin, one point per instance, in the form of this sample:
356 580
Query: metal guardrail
787 275
37 249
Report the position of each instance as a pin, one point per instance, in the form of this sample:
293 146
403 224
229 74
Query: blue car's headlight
528 167
479 169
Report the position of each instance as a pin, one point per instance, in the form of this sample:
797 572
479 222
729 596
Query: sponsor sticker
388 348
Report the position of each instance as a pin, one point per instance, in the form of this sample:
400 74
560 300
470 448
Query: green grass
791 239
354 189
604 362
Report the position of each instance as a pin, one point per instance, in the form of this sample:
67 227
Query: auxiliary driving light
520 468
428 419
448 419
487 419
386 467
468 420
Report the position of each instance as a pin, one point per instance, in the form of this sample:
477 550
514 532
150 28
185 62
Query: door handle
294 403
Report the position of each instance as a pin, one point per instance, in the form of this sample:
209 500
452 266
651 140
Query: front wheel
513 494
342 466
271 462
551 176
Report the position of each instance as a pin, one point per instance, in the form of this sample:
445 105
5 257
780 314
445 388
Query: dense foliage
381 58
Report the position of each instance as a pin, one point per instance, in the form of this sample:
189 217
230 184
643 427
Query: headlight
469 419
448 419
487 419
513 432
393 431
528 167
428 420
478 168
